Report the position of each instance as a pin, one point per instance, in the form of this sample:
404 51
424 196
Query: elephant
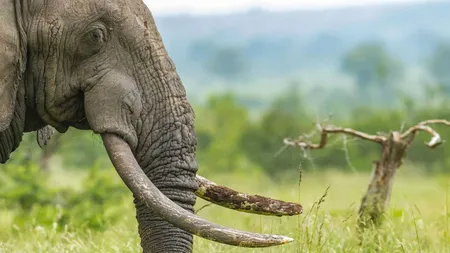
101 66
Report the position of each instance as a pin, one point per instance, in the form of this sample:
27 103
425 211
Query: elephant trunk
166 154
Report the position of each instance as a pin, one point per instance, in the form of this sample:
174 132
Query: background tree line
231 138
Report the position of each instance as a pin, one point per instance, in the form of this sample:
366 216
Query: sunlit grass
417 220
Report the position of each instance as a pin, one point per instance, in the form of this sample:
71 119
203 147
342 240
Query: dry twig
435 141
325 131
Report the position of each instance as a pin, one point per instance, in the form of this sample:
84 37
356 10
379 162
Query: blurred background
257 72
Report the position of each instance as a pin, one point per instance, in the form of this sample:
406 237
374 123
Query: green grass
417 220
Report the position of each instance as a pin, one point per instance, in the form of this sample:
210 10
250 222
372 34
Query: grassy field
417 220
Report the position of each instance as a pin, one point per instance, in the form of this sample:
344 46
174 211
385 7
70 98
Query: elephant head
102 66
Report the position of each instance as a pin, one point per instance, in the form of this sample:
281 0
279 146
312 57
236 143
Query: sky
163 7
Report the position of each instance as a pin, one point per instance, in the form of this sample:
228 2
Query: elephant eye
92 42
97 36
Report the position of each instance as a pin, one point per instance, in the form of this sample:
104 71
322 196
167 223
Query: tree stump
378 194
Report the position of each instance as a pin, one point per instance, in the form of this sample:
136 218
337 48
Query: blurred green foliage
231 140
26 189
371 63
375 72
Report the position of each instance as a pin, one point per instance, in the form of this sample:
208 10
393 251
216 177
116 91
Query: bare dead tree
394 148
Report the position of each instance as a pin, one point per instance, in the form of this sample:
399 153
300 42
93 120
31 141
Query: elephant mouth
133 176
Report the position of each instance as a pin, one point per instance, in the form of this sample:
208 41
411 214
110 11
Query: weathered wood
378 194
226 197
377 197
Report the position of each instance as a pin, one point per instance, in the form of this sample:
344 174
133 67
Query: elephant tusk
226 197
141 186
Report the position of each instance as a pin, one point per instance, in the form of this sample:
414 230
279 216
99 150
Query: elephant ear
12 97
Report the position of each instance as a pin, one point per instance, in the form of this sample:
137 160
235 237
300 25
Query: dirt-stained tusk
141 186
226 197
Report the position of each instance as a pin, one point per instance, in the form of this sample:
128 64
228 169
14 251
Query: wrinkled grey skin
100 65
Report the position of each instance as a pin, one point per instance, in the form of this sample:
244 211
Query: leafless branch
303 143
426 122
435 121
435 141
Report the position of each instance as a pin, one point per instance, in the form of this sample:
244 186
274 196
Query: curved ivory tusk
226 197
136 180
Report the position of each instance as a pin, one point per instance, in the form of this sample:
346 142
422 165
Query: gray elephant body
101 66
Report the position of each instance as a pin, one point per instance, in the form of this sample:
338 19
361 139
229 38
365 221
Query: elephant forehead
122 12
86 9
70 9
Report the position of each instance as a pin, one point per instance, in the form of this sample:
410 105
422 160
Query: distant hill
279 44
